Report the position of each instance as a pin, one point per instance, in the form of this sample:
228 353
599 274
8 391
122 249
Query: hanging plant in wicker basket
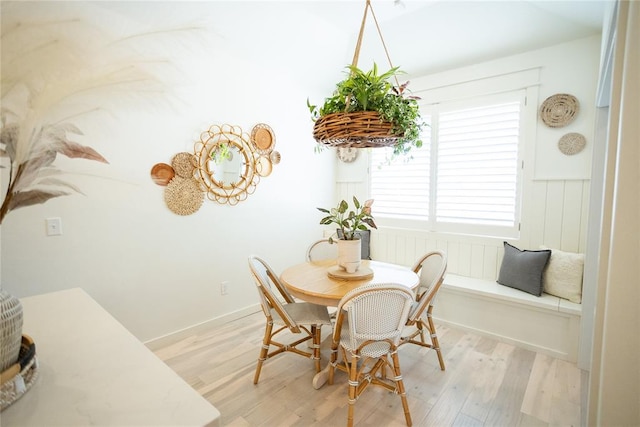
367 110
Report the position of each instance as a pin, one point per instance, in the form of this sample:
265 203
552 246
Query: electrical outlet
54 227
224 287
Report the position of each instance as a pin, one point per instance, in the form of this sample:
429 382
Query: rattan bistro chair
431 267
322 249
281 310
367 331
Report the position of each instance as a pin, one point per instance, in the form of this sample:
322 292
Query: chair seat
304 313
375 349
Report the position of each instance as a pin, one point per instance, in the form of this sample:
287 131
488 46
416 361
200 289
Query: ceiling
425 36
314 40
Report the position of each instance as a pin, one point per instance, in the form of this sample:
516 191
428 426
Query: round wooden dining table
312 282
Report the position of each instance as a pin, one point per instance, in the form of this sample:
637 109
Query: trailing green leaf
370 91
352 221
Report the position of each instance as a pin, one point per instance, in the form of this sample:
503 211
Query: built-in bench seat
547 324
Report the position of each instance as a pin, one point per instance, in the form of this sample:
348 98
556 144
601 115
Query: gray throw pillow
522 269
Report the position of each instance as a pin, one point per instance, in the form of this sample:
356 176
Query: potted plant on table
367 110
349 222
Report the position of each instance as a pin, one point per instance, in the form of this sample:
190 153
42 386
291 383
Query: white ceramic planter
349 255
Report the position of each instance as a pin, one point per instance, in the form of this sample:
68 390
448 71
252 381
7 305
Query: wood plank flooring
486 383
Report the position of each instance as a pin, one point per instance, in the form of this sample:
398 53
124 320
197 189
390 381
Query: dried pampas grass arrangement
55 71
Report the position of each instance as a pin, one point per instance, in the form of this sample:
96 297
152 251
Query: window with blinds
401 188
465 177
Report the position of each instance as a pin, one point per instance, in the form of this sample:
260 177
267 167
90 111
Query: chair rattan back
375 312
268 284
282 313
322 249
368 329
432 268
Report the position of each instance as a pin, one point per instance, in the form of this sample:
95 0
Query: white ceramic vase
349 255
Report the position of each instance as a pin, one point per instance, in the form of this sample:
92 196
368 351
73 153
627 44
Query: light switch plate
54 227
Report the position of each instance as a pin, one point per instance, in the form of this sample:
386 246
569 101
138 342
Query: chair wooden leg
400 387
353 385
332 361
421 331
316 332
434 340
264 351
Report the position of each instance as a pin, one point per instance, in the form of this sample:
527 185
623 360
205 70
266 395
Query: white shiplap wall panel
346 191
557 219
533 217
572 216
388 250
491 265
464 259
401 249
453 252
422 248
477 260
584 215
553 217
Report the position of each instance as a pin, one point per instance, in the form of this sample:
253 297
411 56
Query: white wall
155 271
615 368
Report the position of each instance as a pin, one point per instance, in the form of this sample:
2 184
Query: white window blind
465 177
400 189
478 165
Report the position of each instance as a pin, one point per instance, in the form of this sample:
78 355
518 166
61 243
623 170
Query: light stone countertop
93 371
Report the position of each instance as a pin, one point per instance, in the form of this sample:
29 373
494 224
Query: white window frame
431 224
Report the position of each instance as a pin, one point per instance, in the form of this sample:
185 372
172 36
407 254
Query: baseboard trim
163 341
505 339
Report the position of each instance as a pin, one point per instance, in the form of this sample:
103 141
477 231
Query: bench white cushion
563 275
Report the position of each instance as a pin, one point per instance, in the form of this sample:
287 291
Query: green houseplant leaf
349 223
371 91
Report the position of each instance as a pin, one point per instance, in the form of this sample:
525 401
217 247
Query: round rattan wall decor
183 195
263 138
572 143
275 157
162 173
559 110
183 164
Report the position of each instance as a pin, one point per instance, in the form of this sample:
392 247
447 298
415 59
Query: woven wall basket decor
559 110
183 196
571 143
183 164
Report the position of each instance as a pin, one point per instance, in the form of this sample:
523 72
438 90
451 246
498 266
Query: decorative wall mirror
226 164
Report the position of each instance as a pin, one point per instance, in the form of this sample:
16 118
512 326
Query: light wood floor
486 383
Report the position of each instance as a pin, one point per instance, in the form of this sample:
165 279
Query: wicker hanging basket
360 129
357 129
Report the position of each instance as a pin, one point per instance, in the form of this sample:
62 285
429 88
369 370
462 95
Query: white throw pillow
562 276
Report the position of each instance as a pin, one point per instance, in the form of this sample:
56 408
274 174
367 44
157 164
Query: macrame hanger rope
356 54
